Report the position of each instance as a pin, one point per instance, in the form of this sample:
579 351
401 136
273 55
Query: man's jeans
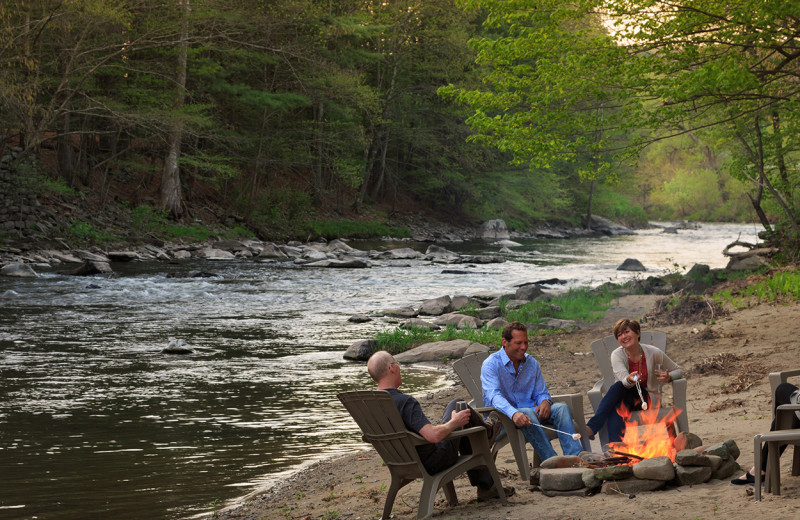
560 419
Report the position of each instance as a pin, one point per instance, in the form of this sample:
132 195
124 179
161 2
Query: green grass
84 232
194 232
331 229
778 287
576 304
147 219
399 340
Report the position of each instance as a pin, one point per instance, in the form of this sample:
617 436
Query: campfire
651 456
647 438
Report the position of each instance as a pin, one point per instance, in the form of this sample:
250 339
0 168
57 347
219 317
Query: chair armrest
776 378
575 403
417 439
679 387
784 413
596 395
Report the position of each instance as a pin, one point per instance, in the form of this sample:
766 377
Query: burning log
628 455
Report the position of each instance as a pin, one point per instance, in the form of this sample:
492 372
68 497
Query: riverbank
730 401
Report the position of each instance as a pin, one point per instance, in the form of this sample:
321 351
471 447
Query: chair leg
427 496
518 446
773 483
757 466
390 496
450 494
796 460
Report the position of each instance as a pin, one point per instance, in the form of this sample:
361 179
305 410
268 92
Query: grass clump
577 304
778 287
330 229
399 340
84 232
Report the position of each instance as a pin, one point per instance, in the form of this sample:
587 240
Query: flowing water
96 423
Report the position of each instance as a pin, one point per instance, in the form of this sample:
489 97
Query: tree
171 195
546 98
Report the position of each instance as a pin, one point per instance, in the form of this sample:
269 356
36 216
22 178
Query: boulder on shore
439 350
18 270
494 230
631 264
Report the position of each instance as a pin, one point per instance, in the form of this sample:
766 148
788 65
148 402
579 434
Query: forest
294 112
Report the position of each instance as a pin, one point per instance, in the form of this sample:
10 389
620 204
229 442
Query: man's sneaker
493 426
491 493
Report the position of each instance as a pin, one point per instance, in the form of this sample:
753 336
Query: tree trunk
378 184
171 193
757 158
589 206
316 175
65 152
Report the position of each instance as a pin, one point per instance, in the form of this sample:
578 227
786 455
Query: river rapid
96 423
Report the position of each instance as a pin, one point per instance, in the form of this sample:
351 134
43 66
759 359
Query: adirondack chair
468 370
382 426
602 349
783 434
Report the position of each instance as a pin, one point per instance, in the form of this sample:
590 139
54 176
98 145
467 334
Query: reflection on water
96 423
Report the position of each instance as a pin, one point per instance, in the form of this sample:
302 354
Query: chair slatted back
382 426
468 370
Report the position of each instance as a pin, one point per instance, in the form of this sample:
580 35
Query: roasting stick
575 436
639 389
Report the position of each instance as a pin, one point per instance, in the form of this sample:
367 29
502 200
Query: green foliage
238 232
577 304
619 209
331 229
399 340
780 286
282 209
57 186
194 232
146 218
85 232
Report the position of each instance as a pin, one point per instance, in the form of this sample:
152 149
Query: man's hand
461 418
520 419
543 411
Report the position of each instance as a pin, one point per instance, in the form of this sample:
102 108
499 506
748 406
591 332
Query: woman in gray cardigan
632 362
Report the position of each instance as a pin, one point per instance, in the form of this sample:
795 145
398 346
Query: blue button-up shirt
508 391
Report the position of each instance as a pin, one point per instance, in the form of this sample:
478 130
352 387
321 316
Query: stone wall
18 205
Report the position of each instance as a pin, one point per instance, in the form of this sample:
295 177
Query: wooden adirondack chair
468 370
602 349
783 434
376 414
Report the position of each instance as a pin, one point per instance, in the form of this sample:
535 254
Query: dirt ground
726 354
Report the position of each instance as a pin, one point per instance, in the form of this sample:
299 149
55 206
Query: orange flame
650 436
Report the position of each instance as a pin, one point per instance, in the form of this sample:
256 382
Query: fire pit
650 457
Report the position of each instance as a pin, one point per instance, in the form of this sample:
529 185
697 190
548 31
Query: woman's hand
632 377
663 376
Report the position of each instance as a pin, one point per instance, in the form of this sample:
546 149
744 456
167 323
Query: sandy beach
728 399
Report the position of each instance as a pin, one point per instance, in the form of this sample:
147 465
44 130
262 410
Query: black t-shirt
413 417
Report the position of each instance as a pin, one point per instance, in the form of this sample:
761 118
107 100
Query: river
96 423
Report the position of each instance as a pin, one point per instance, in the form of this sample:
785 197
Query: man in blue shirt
513 384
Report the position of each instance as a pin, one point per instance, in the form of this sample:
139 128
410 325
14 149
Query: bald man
440 453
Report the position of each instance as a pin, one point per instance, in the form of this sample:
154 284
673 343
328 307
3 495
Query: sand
728 399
